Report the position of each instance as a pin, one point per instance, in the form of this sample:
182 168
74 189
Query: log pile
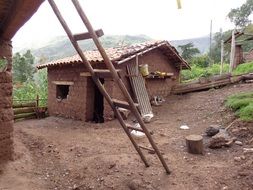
24 110
210 82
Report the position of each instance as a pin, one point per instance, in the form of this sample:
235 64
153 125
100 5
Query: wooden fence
29 109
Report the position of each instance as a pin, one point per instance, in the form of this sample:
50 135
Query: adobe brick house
240 56
71 91
248 56
13 15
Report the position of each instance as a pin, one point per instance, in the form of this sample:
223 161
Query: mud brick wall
77 104
6 112
80 101
238 55
248 56
156 62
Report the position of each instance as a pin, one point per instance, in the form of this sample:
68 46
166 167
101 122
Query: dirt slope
56 153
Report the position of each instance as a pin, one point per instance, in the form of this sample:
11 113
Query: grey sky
158 19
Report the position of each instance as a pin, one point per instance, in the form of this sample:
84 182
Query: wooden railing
29 109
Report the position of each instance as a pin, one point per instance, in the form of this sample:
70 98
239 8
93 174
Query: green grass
197 71
242 104
243 68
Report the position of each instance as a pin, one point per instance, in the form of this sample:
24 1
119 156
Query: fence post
37 101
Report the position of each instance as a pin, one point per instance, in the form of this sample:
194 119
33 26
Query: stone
237 159
220 139
247 150
238 143
212 130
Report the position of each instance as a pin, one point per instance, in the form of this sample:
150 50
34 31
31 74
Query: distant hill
61 47
202 43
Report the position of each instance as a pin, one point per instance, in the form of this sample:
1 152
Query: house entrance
98 115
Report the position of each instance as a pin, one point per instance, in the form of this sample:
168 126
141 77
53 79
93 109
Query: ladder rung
86 35
151 151
104 73
122 104
135 128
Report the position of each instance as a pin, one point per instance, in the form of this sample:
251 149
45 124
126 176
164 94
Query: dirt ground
59 154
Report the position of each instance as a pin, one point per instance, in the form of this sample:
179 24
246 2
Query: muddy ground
56 153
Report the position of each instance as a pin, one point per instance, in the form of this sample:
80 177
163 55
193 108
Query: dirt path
56 153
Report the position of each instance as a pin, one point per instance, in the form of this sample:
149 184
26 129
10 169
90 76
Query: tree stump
194 144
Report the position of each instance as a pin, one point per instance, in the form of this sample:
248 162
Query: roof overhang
14 14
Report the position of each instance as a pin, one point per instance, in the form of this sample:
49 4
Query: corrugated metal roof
119 53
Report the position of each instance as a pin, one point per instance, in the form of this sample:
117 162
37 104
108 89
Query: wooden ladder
115 104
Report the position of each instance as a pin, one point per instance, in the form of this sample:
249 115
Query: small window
62 91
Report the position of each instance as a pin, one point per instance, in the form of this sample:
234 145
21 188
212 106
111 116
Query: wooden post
232 53
194 144
222 53
180 74
37 101
210 41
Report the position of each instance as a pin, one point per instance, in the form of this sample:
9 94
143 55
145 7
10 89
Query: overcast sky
159 19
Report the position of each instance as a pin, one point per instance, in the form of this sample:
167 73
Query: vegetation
28 82
243 68
3 62
23 67
240 16
188 51
242 104
197 71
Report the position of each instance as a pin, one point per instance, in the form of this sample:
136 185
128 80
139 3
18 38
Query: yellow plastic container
144 70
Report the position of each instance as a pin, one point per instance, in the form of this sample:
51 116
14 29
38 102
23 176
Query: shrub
242 104
243 68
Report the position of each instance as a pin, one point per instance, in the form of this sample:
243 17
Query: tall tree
240 16
23 68
188 51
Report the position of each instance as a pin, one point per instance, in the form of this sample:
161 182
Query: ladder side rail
96 80
136 146
78 49
118 81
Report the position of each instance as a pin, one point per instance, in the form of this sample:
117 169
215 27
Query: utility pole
221 53
210 50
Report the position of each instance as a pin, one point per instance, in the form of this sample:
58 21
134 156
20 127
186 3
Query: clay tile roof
118 53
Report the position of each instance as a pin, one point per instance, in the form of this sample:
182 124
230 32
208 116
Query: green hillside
61 47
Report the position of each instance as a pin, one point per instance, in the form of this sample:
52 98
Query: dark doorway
98 115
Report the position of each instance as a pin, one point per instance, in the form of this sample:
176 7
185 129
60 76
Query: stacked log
24 110
207 83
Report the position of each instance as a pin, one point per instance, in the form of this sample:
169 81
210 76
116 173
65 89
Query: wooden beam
63 82
85 36
85 74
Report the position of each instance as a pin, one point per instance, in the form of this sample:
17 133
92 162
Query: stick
230 125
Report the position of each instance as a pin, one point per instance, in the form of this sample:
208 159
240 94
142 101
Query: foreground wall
6 113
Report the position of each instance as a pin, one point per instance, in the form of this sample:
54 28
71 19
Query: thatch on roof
14 14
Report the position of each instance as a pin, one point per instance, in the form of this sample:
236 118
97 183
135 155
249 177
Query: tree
240 16
23 68
188 51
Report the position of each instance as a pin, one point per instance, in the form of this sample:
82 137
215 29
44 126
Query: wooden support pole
37 100
222 53
232 53
194 144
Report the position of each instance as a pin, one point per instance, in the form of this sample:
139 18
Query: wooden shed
13 15
72 93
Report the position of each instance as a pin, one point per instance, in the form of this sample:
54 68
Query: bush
242 104
243 68
200 61
197 71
